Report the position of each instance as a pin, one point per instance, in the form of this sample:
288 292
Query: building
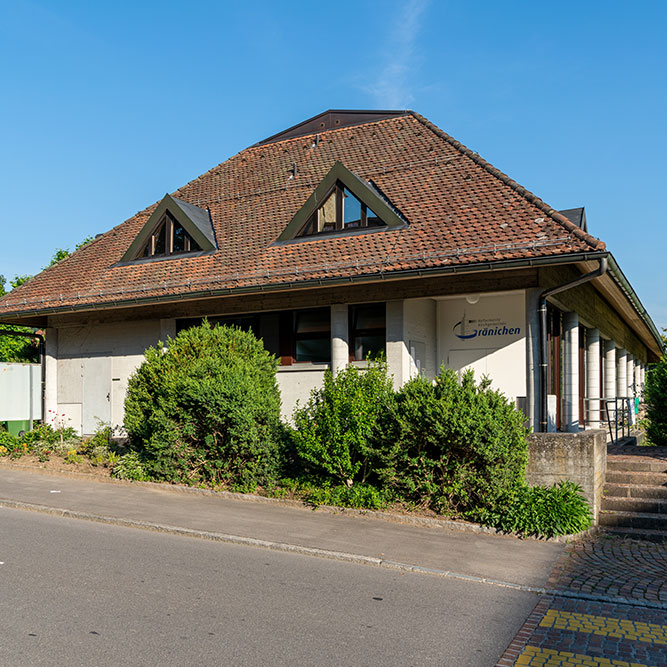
350 233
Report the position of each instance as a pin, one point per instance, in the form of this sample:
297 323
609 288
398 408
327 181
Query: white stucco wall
295 384
487 336
94 362
97 360
419 327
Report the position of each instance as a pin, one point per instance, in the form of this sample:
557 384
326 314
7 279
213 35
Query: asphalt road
79 593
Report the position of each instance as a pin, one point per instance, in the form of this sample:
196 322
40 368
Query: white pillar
340 344
609 369
621 372
51 381
593 377
609 375
398 360
630 378
571 373
167 329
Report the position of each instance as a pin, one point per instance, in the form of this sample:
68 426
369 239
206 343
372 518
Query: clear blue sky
108 105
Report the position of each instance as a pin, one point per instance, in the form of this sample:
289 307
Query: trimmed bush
655 396
459 445
338 433
206 409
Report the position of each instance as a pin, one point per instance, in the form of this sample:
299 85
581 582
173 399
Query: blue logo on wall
466 329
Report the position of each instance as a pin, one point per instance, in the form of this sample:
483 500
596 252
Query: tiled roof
460 211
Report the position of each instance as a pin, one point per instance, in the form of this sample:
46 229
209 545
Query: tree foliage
655 396
13 348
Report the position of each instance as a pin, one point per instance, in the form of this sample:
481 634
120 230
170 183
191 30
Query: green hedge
459 445
206 409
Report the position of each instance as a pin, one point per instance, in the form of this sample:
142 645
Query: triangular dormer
342 203
174 229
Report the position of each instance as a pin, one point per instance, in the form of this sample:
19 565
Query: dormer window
343 203
175 228
169 238
340 211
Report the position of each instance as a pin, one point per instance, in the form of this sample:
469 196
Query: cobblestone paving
613 566
573 630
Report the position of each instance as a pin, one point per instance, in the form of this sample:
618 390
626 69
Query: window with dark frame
294 336
169 238
341 211
555 366
304 336
368 331
312 335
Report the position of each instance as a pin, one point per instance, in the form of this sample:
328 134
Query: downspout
42 359
542 311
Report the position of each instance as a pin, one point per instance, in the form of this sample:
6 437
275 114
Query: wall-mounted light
472 299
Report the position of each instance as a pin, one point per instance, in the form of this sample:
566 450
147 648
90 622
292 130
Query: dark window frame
309 335
356 332
311 228
167 222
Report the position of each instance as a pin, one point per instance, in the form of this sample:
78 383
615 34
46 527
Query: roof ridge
356 126
558 217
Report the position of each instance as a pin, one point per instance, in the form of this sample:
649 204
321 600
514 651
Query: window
169 238
291 335
367 330
341 211
312 335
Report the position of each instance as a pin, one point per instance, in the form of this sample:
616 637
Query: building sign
467 327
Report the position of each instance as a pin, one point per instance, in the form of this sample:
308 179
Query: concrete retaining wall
579 457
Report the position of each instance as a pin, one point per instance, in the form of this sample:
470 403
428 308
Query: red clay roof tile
460 210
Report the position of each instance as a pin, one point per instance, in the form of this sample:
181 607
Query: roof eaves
377 276
633 298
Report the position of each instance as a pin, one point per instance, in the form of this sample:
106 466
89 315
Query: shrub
655 396
459 445
206 409
544 511
339 431
46 434
8 443
362 496
129 466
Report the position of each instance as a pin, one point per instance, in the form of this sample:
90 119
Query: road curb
317 553
389 517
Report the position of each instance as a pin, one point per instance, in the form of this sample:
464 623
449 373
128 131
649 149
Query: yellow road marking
605 626
532 656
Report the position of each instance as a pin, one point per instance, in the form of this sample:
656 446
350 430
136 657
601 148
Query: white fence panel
20 391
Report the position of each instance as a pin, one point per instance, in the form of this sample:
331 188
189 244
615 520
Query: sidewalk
628 629
497 560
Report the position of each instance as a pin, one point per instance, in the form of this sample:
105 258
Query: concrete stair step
634 491
641 505
642 520
645 478
634 465
646 534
